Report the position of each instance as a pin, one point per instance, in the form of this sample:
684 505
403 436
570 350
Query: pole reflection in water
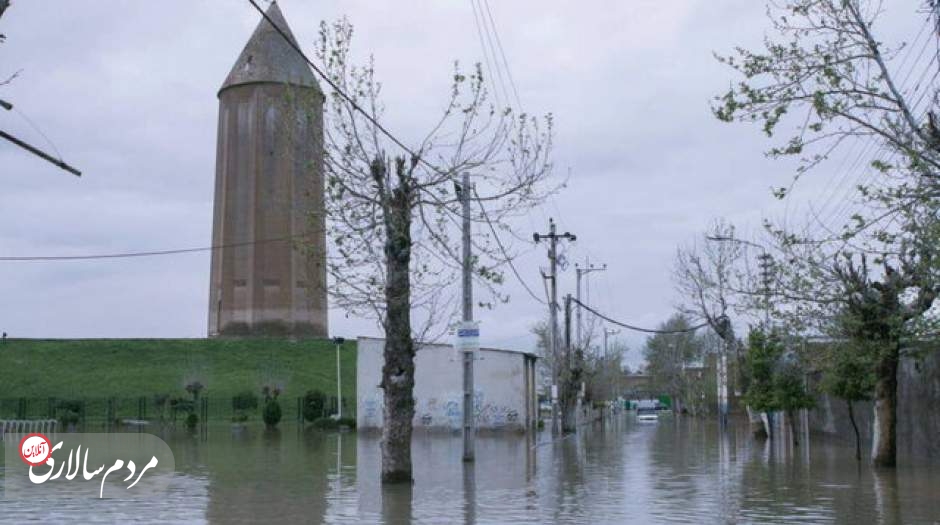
469 493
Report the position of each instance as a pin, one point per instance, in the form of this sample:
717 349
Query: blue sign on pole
468 336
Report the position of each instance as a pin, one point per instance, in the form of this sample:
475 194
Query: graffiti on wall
447 412
370 410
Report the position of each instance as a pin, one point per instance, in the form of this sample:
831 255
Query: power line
495 74
127 255
503 250
372 120
499 46
637 328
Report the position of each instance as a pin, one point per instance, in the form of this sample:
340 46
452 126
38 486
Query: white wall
499 387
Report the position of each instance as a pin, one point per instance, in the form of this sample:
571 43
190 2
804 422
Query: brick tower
268 273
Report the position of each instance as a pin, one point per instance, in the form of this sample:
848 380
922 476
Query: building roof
267 57
447 346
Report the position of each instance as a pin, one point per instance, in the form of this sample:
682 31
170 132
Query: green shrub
242 403
181 405
245 400
194 388
192 420
69 412
271 413
314 405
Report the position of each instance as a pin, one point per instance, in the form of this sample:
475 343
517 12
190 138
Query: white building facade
504 388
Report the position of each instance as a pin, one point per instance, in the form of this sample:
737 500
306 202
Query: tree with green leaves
775 378
849 375
790 390
826 79
763 351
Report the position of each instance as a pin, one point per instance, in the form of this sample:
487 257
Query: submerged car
646 414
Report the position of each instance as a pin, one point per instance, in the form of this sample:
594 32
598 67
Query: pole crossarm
553 237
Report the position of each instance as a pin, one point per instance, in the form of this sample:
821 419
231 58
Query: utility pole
725 330
4 4
338 341
568 358
463 191
724 324
766 273
606 333
607 370
552 237
588 268
38 152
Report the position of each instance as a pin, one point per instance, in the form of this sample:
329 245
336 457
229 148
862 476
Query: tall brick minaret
269 276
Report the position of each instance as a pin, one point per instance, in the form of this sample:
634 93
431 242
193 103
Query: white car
646 414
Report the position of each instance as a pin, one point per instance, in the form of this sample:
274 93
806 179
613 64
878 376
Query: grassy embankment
135 368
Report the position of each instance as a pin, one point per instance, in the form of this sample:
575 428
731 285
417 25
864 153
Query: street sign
468 336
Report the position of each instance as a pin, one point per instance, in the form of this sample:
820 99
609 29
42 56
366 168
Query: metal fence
110 412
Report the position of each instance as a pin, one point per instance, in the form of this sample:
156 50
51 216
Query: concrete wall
504 384
918 413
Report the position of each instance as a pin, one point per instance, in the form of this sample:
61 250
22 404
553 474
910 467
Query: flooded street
618 472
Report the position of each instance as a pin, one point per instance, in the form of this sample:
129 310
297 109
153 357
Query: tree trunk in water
569 409
756 423
884 441
858 439
792 419
398 374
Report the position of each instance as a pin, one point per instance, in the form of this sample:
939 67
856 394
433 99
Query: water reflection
619 471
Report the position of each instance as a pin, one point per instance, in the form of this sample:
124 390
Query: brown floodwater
620 471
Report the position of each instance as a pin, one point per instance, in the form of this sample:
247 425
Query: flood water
620 471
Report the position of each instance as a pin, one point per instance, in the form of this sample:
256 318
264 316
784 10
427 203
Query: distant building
269 194
504 388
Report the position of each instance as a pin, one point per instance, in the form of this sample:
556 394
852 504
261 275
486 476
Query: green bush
314 405
69 412
245 400
194 388
192 420
181 405
271 413
242 403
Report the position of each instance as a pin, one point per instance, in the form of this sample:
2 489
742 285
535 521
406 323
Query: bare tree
394 225
667 356
706 278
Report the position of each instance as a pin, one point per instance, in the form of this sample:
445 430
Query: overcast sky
127 93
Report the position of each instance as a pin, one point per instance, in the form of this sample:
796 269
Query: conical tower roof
267 57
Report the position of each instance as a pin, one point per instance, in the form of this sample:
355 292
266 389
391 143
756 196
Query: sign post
468 342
